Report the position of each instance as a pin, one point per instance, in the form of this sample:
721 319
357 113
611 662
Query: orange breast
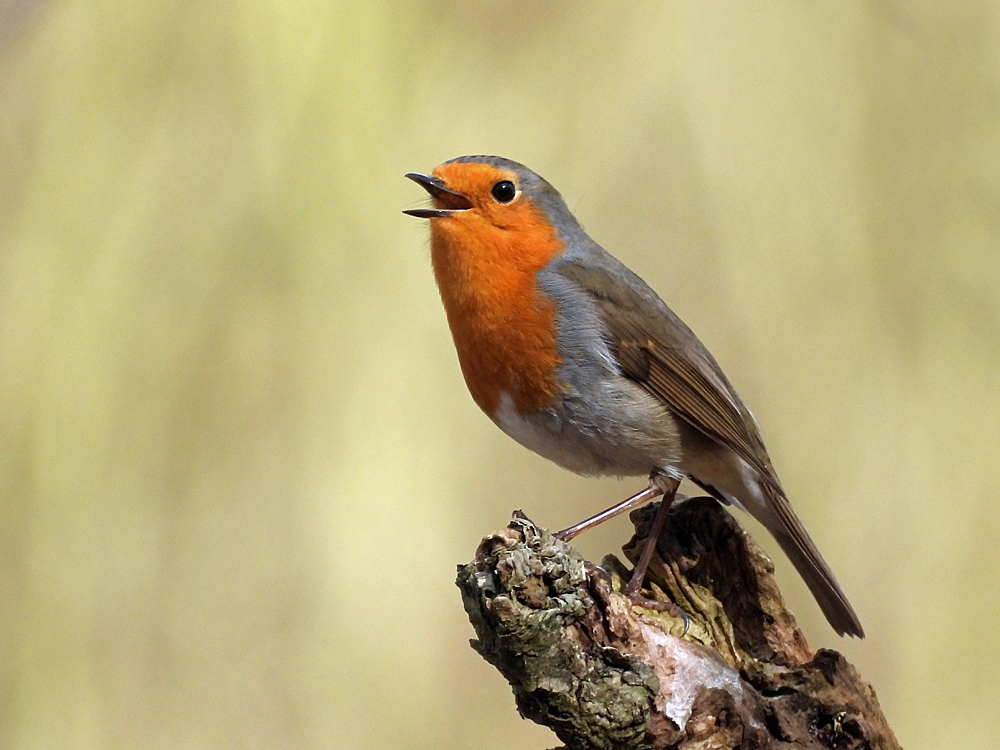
503 327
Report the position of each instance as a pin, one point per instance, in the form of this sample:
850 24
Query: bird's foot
638 599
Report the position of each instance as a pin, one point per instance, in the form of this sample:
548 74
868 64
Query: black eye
504 191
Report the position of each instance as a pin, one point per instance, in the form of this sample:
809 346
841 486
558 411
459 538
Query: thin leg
669 487
652 491
659 484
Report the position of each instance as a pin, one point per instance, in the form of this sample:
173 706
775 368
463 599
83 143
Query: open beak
446 200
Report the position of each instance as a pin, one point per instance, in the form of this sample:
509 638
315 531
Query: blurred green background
238 462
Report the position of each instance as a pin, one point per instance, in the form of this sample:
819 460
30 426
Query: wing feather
657 350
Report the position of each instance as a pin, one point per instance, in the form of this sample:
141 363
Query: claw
666 607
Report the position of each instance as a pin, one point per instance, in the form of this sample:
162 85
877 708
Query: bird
576 358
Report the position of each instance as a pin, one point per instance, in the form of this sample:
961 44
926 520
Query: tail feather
802 551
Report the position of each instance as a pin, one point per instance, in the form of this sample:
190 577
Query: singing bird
575 357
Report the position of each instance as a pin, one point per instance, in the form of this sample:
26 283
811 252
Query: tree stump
605 674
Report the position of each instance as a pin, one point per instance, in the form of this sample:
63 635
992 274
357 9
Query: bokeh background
238 462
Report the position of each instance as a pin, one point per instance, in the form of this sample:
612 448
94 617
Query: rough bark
605 674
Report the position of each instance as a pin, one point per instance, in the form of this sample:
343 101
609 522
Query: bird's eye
504 191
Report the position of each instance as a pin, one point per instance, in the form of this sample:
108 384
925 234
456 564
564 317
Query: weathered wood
604 674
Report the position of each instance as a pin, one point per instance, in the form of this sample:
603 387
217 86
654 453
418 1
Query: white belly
587 443
536 436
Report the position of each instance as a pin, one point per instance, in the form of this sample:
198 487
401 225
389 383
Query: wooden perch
603 674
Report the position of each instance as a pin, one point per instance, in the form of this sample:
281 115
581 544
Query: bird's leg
654 489
659 484
668 486
633 590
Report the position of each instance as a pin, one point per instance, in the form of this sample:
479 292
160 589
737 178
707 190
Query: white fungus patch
693 671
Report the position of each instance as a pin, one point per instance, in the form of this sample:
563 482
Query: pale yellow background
238 463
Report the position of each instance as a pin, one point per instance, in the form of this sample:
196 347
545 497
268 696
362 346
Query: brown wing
656 349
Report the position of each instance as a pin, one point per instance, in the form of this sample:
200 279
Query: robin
575 357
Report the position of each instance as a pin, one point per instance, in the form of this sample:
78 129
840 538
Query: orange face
486 257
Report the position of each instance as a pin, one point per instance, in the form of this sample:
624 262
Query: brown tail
801 550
